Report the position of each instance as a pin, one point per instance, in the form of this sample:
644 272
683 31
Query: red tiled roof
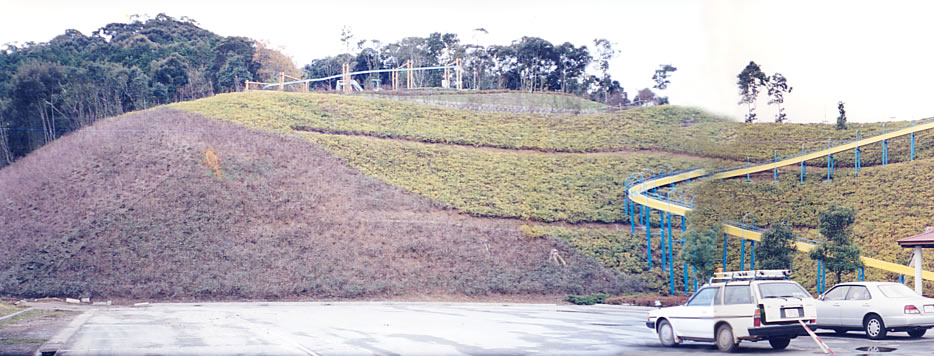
926 238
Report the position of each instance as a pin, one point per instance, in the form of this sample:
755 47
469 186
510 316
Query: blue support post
685 265
648 238
775 170
856 154
747 166
724 252
641 213
695 278
742 252
666 217
626 204
668 221
752 254
901 278
661 224
885 147
912 158
802 171
885 152
671 265
632 218
830 167
819 289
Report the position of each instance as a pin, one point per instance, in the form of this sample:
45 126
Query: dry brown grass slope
131 207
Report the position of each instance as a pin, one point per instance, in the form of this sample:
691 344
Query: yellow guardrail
636 193
823 153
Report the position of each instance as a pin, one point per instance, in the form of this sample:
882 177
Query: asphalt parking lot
404 329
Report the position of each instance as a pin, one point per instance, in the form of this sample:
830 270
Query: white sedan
876 308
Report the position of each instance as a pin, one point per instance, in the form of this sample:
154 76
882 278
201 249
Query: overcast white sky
874 55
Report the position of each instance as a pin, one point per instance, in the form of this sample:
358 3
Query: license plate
791 313
929 308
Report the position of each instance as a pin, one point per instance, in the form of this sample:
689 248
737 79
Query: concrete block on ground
72 300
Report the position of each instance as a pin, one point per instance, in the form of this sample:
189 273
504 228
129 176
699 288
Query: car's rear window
897 291
782 290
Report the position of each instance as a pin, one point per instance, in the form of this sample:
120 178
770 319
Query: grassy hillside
311 195
658 128
570 188
506 183
503 101
619 250
165 204
662 128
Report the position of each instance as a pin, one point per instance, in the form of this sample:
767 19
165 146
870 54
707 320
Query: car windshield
896 290
782 290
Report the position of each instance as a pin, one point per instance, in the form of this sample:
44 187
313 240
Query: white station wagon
876 308
745 305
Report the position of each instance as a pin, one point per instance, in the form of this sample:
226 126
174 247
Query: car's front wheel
666 334
779 343
917 332
874 327
725 339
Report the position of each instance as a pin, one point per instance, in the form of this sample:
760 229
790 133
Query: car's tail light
756 318
910 309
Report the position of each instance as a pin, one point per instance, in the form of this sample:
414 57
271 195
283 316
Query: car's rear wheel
666 334
917 332
874 327
779 343
725 339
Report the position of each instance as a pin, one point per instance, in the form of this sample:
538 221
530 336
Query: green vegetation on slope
492 183
618 250
507 102
663 128
580 188
668 128
761 141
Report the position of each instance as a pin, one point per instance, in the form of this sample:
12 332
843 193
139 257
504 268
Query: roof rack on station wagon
758 274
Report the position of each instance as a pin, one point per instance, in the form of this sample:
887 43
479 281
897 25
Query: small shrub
598 298
647 300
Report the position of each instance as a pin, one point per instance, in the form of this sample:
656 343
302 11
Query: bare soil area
165 205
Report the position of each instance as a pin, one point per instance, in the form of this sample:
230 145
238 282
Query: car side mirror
820 297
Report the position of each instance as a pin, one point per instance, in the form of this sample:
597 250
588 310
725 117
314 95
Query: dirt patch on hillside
136 207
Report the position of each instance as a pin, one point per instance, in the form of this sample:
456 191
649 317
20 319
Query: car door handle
866 305
836 305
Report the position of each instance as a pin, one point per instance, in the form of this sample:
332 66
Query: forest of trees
49 89
52 88
528 64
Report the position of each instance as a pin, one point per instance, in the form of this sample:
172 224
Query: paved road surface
399 328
